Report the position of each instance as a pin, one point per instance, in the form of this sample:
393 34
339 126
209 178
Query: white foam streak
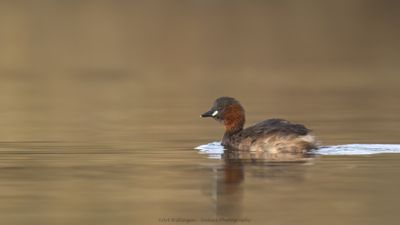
214 150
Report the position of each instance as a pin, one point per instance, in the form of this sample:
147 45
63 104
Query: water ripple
215 149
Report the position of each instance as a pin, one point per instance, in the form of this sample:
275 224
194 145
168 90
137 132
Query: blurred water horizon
100 104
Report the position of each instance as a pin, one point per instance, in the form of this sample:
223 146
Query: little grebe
272 135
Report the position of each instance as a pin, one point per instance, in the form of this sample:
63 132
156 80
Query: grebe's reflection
228 186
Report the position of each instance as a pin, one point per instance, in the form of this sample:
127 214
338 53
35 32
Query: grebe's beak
210 113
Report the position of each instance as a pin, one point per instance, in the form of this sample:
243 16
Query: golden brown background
100 103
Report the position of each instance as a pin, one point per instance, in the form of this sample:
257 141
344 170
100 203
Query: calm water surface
100 105
121 151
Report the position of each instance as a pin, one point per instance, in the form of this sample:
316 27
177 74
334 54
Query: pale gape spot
215 113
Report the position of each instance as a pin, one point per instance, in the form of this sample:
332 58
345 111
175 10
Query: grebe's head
229 111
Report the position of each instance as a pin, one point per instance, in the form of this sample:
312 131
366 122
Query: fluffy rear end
285 144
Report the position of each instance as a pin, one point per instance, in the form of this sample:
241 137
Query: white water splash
214 150
358 149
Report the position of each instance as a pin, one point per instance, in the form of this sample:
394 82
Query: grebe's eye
215 113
